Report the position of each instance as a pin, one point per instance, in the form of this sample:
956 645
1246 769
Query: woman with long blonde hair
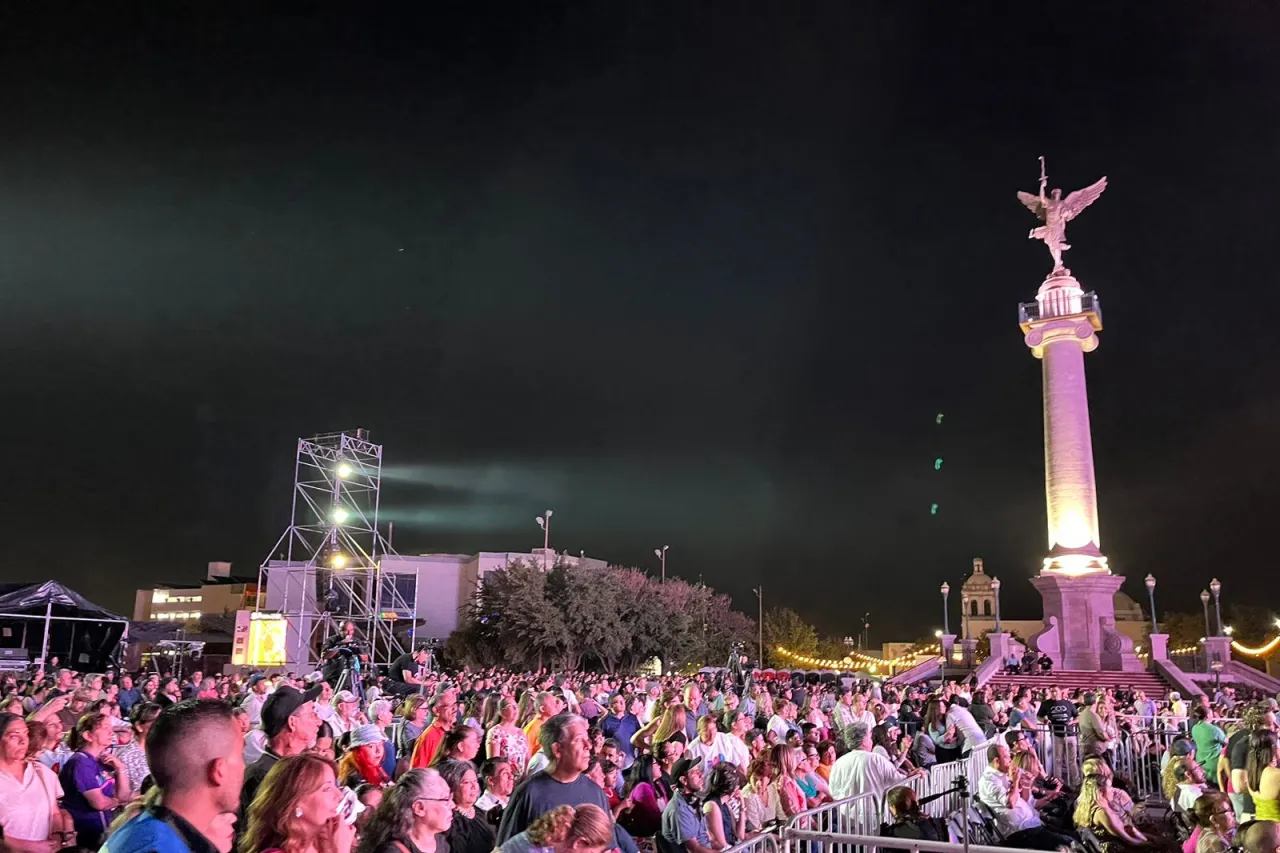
785 759
296 810
1095 813
672 722
565 829
526 708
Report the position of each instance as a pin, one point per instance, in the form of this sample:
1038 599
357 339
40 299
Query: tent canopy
49 615
34 600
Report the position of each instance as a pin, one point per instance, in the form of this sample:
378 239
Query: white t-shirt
967 726
252 705
255 743
993 790
27 807
723 748
859 772
779 727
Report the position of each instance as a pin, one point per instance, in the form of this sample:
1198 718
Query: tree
575 618
1184 629
784 627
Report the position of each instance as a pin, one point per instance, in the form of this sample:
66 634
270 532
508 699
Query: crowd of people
415 761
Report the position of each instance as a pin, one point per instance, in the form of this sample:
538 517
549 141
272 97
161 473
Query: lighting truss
326 568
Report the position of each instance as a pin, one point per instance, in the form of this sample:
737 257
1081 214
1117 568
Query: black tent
48 619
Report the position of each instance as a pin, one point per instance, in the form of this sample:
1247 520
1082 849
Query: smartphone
350 807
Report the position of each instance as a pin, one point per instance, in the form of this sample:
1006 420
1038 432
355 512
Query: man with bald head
198 766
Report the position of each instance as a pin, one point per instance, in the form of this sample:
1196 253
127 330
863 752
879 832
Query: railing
1030 312
760 844
795 839
860 815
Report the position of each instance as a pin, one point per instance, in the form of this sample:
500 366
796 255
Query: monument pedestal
1080 626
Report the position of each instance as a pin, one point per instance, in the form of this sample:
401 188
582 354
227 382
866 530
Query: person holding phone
95 782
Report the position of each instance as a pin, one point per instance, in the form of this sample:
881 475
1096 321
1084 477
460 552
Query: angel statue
1055 212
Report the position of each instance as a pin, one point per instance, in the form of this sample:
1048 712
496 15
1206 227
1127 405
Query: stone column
1064 330
1159 646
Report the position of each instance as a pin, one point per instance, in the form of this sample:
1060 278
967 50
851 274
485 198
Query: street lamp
1216 588
544 521
946 619
759 591
995 588
1151 596
661 554
1204 600
1217 667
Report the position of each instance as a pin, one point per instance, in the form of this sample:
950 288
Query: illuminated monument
1075 583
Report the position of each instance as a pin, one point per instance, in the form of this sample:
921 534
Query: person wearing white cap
348 715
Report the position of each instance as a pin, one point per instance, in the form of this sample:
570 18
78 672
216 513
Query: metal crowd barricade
766 843
860 815
1135 758
796 839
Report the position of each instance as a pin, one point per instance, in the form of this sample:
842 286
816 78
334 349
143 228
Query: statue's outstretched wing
1033 203
1075 203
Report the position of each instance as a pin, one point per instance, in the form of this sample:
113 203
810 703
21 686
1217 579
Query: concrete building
443 585
438 588
220 592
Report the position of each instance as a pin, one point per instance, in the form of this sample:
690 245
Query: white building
438 586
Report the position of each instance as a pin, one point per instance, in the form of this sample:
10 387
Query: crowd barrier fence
796 841
852 825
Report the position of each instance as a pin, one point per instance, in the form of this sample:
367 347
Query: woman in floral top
132 755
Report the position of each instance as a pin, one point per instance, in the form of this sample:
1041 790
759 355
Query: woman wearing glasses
415 811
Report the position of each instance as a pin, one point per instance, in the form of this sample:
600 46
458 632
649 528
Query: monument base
1080 623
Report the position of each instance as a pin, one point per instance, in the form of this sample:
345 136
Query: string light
828 663
1259 651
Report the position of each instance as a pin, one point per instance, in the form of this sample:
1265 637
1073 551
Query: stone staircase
1150 683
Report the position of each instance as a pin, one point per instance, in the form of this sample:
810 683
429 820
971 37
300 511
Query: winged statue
1055 212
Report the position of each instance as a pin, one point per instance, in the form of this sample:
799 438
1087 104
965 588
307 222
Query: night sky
689 274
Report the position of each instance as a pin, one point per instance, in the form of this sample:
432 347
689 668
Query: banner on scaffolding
259 639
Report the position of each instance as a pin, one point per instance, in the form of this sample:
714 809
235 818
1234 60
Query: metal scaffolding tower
326 568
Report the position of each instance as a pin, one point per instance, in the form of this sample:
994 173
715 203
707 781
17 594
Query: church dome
1127 610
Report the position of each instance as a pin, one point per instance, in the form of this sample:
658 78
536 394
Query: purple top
83 772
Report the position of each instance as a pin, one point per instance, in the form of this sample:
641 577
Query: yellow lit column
1061 326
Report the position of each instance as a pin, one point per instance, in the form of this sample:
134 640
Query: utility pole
759 591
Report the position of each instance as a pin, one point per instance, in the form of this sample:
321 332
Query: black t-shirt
399 665
1238 750
1059 713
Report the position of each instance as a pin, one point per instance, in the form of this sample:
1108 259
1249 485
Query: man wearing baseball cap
258 686
684 829
290 723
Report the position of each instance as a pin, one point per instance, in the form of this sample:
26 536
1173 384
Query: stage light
338 560
344 470
340 515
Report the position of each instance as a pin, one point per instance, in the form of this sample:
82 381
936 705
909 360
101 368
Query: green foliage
784 627
612 618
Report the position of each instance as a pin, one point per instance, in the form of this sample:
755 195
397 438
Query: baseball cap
282 704
683 766
254 679
346 696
